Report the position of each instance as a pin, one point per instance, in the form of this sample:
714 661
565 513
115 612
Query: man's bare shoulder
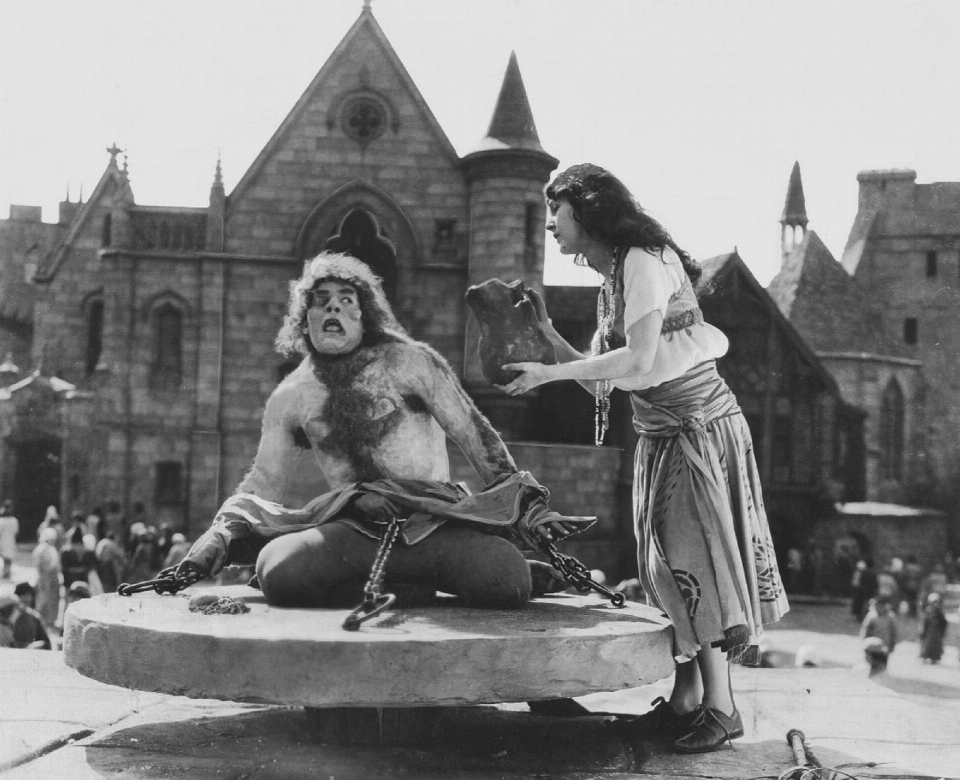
298 384
413 356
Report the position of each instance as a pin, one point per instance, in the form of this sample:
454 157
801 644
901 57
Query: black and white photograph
479 389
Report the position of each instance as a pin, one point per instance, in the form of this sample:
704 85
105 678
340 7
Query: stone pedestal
406 660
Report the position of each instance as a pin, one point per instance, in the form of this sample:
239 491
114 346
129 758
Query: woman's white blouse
648 283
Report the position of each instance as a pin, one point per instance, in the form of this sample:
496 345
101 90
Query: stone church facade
139 339
157 323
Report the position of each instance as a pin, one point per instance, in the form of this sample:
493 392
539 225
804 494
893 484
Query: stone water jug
509 329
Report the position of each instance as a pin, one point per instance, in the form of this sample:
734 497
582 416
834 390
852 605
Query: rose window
363 119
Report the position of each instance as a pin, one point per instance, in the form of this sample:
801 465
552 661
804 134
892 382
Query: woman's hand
531 375
539 307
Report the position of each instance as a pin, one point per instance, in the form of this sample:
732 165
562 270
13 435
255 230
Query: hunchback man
373 407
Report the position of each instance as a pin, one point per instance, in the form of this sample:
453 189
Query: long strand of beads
602 412
607 313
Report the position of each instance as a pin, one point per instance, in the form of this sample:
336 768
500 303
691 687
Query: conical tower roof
795 207
512 124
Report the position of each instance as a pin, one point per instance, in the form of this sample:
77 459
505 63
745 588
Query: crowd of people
90 554
900 591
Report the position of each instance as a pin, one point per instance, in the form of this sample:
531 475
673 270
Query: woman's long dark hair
608 212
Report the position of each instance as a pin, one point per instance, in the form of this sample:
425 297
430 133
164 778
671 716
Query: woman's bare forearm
566 353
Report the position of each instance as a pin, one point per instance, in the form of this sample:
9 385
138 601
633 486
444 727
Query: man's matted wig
377 317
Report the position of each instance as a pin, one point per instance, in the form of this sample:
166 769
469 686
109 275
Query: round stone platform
558 646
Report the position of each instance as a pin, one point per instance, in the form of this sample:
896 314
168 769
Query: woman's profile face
566 229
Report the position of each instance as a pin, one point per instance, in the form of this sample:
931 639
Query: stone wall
883 534
862 382
582 480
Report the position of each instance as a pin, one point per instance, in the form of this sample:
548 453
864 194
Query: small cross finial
366 5
114 151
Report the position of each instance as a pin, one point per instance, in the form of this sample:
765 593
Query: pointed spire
795 207
114 151
67 199
216 211
81 193
512 123
217 194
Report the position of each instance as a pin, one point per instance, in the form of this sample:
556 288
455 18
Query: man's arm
273 467
278 452
458 415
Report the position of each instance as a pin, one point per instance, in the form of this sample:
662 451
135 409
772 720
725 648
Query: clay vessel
510 331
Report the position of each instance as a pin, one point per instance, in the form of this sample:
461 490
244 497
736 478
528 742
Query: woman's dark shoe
711 728
662 721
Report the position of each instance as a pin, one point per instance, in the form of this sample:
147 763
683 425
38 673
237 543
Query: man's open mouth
332 326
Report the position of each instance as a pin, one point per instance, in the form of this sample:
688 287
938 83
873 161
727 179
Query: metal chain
578 575
375 602
167 581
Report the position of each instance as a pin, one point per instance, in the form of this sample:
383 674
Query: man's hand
373 506
188 569
546 579
558 529
206 558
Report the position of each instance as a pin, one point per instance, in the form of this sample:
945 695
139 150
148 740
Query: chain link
375 602
578 575
167 581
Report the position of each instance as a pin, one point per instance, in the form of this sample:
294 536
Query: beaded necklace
606 315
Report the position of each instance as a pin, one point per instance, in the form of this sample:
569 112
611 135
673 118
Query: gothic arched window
167 369
106 231
94 346
359 236
892 431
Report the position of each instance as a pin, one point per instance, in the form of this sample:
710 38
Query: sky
701 108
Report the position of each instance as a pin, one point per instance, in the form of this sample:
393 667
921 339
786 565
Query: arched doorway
36 483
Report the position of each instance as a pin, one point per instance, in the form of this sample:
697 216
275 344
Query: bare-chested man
374 408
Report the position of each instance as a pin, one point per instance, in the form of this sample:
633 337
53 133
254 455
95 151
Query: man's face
333 319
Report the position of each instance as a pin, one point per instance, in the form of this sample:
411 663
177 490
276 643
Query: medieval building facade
158 322
140 338
884 323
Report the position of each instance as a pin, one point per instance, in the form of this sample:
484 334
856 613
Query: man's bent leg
307 568
482 570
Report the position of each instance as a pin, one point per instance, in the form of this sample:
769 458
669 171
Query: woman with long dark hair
705 554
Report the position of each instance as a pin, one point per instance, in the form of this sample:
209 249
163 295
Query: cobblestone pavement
67 726
825 625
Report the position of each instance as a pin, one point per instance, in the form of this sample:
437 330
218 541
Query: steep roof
512 125
860 232
795 206
366 26
113 182
717 272
826 305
